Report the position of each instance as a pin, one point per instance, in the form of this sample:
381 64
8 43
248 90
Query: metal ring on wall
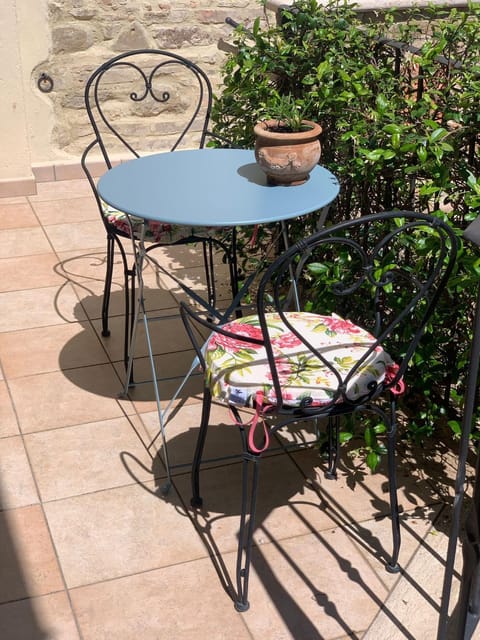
45 83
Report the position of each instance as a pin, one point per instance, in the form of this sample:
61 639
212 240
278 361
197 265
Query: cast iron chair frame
428 293
200 115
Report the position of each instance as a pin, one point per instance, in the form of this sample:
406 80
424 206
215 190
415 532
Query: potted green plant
287 146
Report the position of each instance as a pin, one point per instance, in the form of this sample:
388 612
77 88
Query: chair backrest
384 272
147 101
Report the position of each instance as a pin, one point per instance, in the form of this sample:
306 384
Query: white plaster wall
34 37
14 148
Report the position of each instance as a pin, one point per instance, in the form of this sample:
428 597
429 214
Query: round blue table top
213 187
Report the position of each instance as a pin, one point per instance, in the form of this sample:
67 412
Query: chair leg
230 256
392 565
129 277
130 319
108 285
245 536
333 432
209 267
196 500
248 507
233 264
129 289
139 313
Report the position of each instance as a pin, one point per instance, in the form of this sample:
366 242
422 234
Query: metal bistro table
207 187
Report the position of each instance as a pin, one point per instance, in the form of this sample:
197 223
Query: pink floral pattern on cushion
238 370
155 231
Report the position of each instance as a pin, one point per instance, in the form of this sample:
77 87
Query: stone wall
85 33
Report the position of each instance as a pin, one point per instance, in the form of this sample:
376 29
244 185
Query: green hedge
399 131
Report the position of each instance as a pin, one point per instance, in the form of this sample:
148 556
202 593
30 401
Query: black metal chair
142 102
366 290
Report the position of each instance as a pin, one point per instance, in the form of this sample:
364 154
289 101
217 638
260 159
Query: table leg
140 254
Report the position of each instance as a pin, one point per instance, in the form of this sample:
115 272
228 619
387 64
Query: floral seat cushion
155 231
237 370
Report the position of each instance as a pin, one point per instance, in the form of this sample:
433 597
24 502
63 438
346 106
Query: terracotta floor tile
118 532
16 215
142 391
151 607
16 480
8 419
27 558
436 465
61 189
29 272
312 586
81 265
182 429
39 308
62 399
76 235
179 257
142 395
88 457
91 296
286 505
358 494
194 278
14 200
159 297
412 608
47 616
67 210
167 336
66 346
23 242
374 540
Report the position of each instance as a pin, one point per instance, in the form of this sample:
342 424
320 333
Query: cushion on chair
155 231
237 370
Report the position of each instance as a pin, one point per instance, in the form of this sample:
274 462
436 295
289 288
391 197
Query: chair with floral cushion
141 102
367 289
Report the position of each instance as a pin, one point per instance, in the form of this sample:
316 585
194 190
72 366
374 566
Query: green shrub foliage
400 130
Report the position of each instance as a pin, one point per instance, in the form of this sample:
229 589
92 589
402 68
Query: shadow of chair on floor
298 490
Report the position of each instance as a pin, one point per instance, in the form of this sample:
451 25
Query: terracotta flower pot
287 157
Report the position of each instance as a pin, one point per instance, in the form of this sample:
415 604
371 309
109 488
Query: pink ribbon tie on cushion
390 373
253 239
260 410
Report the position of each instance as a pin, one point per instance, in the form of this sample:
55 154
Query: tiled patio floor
89 547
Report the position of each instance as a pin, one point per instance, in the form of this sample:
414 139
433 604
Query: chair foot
331 475
392 568
196 503
106 333
165 488
242 606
